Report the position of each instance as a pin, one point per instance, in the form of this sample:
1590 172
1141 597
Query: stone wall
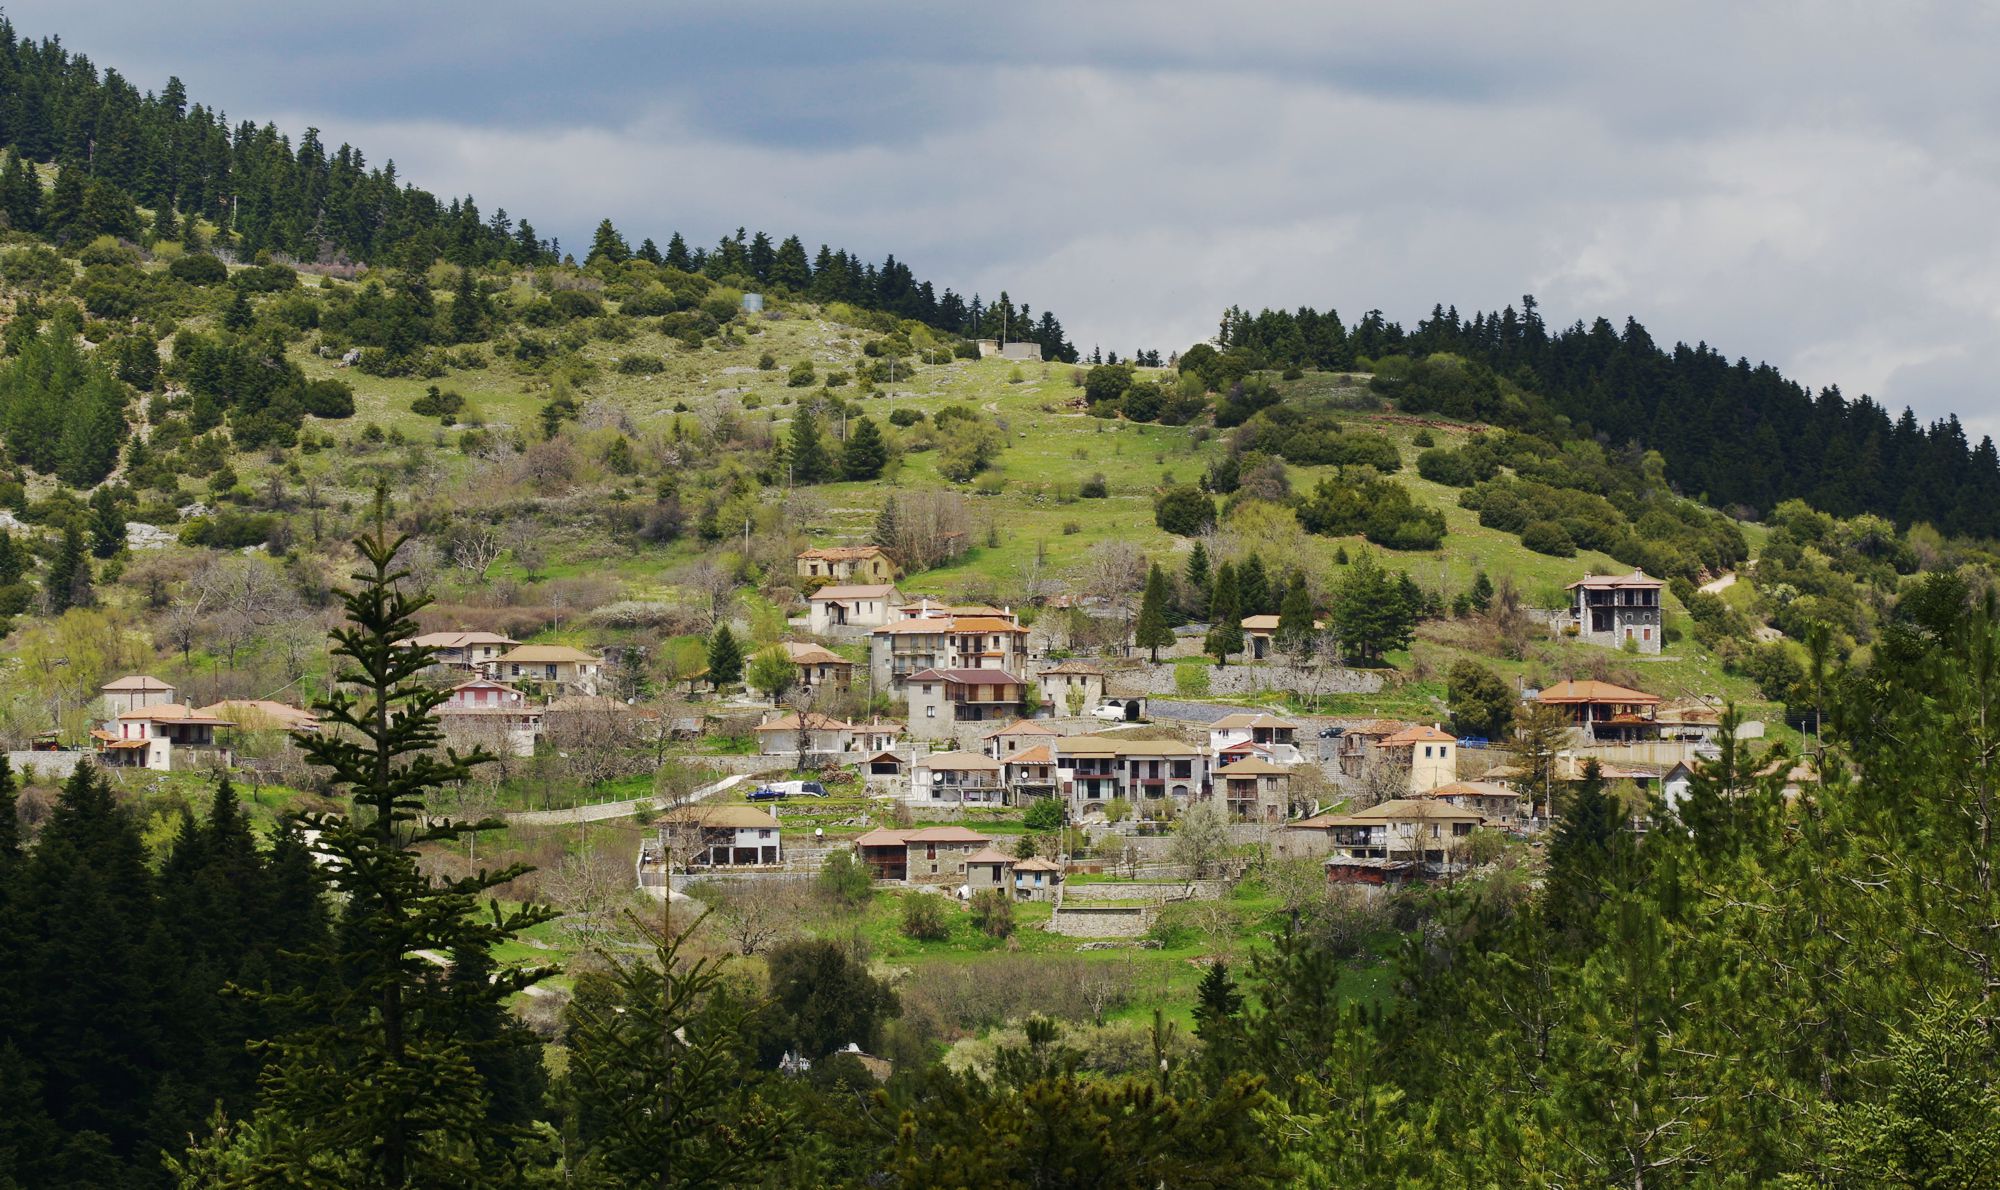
47 766
1255 678
1099 921
1124 891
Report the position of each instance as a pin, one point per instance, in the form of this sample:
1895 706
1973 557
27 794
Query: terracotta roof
966 677
1036 863
1076 666
984 624
883 836
938 625
945 834
858 591
1426 734
1605 582
1593 691
1021 727
1472 789
883 755
1039 754
1379 727
960 762
1260 623
548 653
173 712
1403 809
486 684
1252 767
137 682
990 855
814 722
1251 719
843 553
804 654
721 817
457 640
1099 745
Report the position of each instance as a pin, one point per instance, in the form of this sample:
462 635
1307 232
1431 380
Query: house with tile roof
164 737
847 564
721 836
1601 712
1427 752
1617 611
562 667
852 608
1072 687
942 701
1092 771
134 692
1426 830
819 668
930 855
1035 878
1254 789
958 778
473 651
1255 734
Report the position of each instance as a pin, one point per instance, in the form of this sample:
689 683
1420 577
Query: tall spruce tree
1195 582
807 454
1225 632
864 455
67 583
390 1085
725 658
1295 634
1254 587
1152 632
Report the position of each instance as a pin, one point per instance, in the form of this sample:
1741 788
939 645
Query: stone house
1254 790
1603 713
133 693
958 778
1072 687
1428 753
1617 610
847 564
820 668
1035 878
989 868
942 700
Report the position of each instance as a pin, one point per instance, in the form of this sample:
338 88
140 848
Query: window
1647 634
930 712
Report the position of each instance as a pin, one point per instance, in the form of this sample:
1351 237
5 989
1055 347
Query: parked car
1331 733
766 794
1116 711
799 788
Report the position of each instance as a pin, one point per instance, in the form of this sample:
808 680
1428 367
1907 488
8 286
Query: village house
958 778
1421 829
850 609
989 868
869 564
1697 722
494 714
1429 754
1029 774
1234 737
1073 687
931 855
721 836
820 668
1617 611
1361 745
1022 733
477 652
1498 804
566 668
1093 770
1035 878
1602 713
1260 635
1254 790
945 641
943 699
133 693
825 735
165 737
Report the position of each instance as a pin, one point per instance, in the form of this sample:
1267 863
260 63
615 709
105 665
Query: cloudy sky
1813 184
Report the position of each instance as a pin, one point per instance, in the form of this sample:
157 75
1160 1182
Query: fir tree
1369 614
1152 632
468 309
863 455
676 256
1197 579
67 583
725 658
607 246
649 252
107 526
239 317
1295 633
1225 633
1255 587
1482 592
808 456
11 570
10 821
1582 857
20 195
390 1089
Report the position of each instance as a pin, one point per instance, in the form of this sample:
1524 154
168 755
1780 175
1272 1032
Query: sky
1811 184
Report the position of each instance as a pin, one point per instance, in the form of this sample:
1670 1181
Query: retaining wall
46 765
1099 921
1254 678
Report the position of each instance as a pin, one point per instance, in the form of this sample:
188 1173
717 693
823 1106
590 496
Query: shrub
906 417
1191 681
198 268
1044 814
641 365
1423 439
576 303
767 362
801 375
437 404
845 880
1549 537
923 917
328 398
993 912
1072 528
1184 510
1093 488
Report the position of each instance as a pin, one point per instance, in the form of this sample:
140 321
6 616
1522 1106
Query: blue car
766 794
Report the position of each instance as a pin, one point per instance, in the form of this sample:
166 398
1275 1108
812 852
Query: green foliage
1481 703
1152 632
801 375
924 917
725 658
61 413
1044 814
1548 537
1225 609
771 671
992 911
1184 510
864 454
1379 509
845 880
1191 681
824 998
1371 615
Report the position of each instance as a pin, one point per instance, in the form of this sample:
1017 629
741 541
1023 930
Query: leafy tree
825 999
1481 703
845 879
396 1086
1225 633
923 917
1151 632
1184 510
992 912
725 658
864 455
771 671
1044 814
1370 616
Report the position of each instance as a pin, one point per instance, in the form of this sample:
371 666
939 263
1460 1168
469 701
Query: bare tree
590 888
475 548
593 735
1201 839
1381 781
713 588
755 913
1114 570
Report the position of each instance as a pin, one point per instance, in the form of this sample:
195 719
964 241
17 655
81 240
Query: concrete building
133 693
820 668
1091 771
165 737
1617 610
721 836
1428 753
1072 687
1254 790
943 700
992 639
848 610
476 652
1255 734
567 669
958 778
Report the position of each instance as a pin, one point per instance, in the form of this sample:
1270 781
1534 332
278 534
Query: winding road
600 811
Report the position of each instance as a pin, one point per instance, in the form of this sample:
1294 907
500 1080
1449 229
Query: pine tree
1295 632
389 1090
468 309
607 246
864 454
1370 616
1541 733
649 252
1196 581
239 317
107 526
20 195
1255 587
65 204
11 569
1582 858
725 658
1482 592
67 583
808 453
1152 633
676 256
1225 633
10 821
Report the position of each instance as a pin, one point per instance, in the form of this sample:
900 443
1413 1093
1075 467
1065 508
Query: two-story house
1254 790
1428 753
820 668
826 736
944 641
1093 770
1245 734
476 652
1073 687
958 778
931 855
493 714
721 836
850 609
571 670
941 700
1617 611
1602 713
1422 829
164 737
134 692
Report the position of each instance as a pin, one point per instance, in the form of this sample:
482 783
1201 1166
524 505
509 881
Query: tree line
1740 434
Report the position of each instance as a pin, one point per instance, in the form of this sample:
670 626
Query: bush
906 417
328 398
576 303
845 880
1094 488
1191 681
1423 439
1184 510
1549 537
923 917
1044 814
198 268
437 404
641 365
993 912
801 375
767 362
